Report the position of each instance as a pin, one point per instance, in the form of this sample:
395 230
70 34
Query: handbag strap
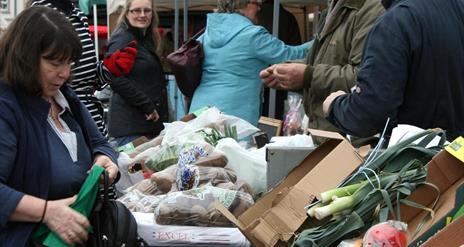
106 185
199 33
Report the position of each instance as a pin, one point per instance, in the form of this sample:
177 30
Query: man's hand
290 76
121 61
105 162
268 77
328 101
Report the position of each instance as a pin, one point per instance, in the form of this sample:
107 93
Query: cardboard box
281 160
276 217
451 235
447 173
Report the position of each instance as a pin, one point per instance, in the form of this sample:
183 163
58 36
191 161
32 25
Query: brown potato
146 187
163 181
164 215
212 160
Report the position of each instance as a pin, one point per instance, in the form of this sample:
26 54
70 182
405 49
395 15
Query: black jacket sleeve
381 80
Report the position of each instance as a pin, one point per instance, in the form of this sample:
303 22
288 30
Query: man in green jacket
333 60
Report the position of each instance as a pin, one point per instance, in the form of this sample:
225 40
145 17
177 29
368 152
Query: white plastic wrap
248 166
210 118
127 179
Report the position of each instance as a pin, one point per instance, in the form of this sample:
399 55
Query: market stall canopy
113 5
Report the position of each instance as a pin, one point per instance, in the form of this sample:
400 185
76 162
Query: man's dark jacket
412 71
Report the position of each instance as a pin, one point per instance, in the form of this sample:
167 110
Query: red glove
121 61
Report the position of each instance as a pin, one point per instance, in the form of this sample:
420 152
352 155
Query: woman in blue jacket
49 141
236 50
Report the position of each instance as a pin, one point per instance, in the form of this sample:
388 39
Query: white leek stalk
337 205
340 192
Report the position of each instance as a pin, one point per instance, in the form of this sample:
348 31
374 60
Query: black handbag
112 223
187 64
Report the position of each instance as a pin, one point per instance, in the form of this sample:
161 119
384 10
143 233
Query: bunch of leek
361 202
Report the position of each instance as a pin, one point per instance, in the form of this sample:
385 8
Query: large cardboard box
447 173
451 235
275 218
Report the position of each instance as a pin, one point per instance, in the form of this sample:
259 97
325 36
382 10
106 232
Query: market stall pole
275 32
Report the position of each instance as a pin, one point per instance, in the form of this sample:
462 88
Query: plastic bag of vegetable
195 207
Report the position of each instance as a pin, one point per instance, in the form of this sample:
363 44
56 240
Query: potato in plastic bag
195 207
207 176
136 201
142 147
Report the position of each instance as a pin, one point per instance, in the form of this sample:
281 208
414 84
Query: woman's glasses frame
139 11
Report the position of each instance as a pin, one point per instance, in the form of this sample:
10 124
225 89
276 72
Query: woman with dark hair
88 74
138 106
236 50
49 141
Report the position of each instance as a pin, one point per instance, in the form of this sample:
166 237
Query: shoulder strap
198 34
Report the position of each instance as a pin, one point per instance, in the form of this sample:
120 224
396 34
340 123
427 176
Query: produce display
195 207
370 195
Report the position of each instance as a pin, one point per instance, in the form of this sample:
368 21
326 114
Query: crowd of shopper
371 61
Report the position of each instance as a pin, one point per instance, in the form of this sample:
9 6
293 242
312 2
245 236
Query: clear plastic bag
292 123
387 234
196 207
165 181
142 147
136 201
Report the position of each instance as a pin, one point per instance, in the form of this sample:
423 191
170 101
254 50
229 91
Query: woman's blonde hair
152 29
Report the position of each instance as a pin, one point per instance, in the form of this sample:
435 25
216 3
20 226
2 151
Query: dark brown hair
35 33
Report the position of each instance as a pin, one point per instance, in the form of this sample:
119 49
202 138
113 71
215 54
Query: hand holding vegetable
290 75
268 77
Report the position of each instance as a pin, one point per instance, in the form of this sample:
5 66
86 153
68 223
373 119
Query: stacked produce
187 174
370 195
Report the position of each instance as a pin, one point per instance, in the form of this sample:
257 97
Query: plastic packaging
250 167
386 234
292 123
136 201
195 207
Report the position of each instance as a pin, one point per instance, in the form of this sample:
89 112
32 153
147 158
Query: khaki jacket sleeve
324 78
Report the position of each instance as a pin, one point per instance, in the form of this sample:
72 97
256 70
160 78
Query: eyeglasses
139 11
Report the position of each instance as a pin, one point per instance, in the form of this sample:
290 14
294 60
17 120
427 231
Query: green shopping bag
83 204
